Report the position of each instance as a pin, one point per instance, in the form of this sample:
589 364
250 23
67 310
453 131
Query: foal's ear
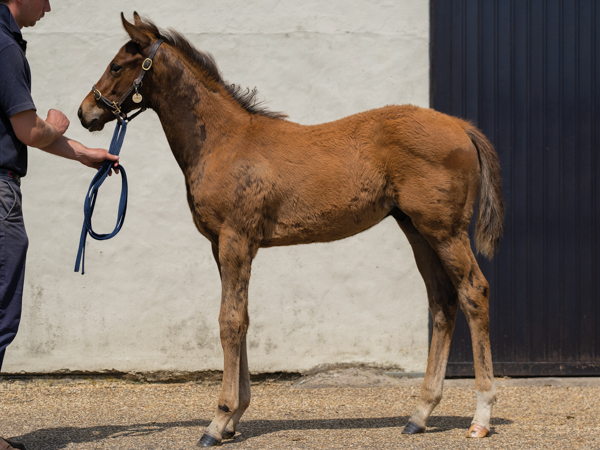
136 19
135 33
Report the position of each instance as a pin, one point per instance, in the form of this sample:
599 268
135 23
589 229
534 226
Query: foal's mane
245 97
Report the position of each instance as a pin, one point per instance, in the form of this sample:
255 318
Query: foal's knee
233 328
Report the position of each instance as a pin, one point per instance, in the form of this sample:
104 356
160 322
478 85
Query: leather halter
115 107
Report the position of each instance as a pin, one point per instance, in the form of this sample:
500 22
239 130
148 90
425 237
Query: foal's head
118 78
111 91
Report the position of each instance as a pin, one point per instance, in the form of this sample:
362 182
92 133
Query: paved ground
339 409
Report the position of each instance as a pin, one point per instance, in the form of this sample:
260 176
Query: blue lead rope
90 199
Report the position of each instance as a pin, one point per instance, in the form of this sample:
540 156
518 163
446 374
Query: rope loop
92 194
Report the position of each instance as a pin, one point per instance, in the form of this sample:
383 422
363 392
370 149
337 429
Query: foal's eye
115 68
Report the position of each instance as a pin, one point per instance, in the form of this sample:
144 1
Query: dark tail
490 219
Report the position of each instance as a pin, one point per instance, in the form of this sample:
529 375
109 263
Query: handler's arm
48 135
33 131
91 157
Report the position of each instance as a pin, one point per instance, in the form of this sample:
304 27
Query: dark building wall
527 73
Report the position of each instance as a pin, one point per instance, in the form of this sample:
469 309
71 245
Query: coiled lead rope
90 199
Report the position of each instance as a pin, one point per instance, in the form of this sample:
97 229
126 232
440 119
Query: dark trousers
13 248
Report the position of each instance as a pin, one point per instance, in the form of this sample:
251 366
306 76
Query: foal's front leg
235 259
244 394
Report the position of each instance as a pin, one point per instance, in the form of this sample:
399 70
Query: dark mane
245 97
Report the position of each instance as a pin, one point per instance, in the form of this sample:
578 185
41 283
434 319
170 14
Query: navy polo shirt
15 91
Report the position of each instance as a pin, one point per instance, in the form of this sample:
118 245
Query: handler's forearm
70 149
65 147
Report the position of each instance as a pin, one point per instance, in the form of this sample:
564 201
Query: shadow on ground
59 438
435 424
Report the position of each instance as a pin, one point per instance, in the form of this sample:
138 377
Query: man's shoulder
14 68
10 51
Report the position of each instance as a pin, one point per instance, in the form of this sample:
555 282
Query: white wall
149 299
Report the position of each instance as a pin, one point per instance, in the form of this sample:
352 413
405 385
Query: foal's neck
196 112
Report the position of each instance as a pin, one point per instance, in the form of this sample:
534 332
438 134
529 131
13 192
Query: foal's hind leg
473 296
443 304
235 258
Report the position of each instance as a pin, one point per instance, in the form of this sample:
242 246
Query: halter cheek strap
115 107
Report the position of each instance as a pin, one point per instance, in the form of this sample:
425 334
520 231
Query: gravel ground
343 409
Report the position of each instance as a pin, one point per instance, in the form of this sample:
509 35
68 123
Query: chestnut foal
256 180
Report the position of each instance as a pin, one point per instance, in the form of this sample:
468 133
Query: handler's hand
59 120
94 157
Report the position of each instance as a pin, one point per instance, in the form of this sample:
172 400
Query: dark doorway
527 72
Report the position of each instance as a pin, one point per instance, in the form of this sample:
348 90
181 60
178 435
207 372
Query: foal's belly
306 226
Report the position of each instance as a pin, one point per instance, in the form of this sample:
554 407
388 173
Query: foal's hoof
413 428
208 441
477 431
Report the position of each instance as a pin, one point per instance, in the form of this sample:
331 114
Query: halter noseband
115 107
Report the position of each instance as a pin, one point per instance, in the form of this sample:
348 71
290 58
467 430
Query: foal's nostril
80 113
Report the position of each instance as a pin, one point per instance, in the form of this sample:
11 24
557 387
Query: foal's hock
257 180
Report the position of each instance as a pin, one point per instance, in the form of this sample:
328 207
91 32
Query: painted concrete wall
150 297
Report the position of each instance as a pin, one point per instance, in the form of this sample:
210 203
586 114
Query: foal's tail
490 219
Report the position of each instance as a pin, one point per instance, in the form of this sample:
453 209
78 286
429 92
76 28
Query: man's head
27 12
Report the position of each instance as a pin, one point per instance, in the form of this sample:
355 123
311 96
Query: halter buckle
147 64
97 93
